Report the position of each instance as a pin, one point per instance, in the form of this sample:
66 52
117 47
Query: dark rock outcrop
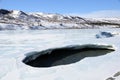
117 74
4 12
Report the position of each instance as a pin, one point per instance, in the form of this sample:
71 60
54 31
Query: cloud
101 14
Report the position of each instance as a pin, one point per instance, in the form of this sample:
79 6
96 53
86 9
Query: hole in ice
65 55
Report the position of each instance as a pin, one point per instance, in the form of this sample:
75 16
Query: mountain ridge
15 19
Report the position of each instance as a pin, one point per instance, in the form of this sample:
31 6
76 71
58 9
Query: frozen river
15 44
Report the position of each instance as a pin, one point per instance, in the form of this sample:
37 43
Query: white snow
15 44
46 15
16 13
4 26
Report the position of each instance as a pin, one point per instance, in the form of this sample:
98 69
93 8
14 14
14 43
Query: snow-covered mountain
14 19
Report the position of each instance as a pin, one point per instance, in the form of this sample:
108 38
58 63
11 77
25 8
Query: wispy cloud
101 14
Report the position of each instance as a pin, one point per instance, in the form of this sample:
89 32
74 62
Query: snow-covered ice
14 45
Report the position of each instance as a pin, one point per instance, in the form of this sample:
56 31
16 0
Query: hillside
14 19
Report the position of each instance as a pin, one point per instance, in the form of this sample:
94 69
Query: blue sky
61 6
